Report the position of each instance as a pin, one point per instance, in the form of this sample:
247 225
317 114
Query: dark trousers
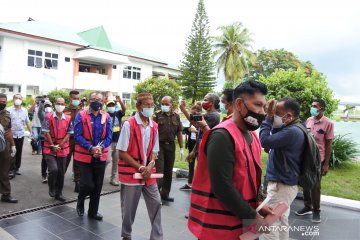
56 173
43 161
312 197
76 169
5 188
91 181
191 145
164 164
19 142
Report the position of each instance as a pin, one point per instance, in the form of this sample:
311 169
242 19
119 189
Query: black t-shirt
116 124
212 119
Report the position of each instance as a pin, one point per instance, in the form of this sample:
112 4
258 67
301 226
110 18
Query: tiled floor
63 223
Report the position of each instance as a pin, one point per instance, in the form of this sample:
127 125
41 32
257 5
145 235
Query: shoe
186 187
44 179
60 198
80 207
316 217
17 172
187 216
8 199
304 211
114 182
51 193
126 238
97 216
39 153
12 175
77 187
167 198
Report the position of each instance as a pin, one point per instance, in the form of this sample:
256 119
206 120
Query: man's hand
146 174
96 152
260 225
190 158
193 130
271 108
181 154
13 151
55 148
324 169
154 155
182 105
118 99
265 210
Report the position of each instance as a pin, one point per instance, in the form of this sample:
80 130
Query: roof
97 37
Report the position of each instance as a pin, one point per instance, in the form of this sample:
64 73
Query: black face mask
96 106
2 106
252 119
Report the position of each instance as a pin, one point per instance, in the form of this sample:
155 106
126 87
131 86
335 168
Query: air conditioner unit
4 90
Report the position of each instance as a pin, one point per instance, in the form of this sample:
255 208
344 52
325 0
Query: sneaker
114 182
186 187
44 179
304 211
316 217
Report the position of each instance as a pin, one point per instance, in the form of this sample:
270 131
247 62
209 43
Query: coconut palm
232 51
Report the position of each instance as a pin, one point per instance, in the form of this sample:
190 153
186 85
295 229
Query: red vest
208 218
81 154
58 131
135 149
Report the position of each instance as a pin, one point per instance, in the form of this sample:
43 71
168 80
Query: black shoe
304 211
186 187
17 172
316 217
77 187
60 198
51 193
97 216
8 199
12 175
168 199
80 207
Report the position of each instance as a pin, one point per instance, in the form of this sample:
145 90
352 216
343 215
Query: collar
318 120
62 116
139 121
89 111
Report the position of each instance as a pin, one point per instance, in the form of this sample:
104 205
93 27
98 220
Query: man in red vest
228 175
92 133
138 146
57 128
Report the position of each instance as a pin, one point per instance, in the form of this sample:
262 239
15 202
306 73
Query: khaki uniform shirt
72 111
5 121
168 126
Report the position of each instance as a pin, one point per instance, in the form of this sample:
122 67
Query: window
126 97
67 59
132 72
34 58
51 60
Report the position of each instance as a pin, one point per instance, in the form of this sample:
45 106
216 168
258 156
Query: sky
325 32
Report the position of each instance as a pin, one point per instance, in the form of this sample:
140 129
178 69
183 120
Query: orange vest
58 131
209 219
81 154
135 150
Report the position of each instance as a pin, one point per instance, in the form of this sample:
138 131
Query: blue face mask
314 111
222 107
111 109
75 103
147 112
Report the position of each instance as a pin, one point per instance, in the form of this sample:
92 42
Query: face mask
278 123
48 109
165 108
205 105
2 106
314 111
96 106
252 120
17 102
111 109
75 103
59 108
147 112
222 107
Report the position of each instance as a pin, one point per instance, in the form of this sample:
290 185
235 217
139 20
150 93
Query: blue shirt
290 141
19 117
97 130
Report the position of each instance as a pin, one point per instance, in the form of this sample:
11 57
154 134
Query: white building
37 57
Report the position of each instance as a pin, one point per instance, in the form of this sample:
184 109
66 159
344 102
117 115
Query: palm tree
232 50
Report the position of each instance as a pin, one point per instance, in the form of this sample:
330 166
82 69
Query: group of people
226 183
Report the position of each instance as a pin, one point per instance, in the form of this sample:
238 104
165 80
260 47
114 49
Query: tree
197 66
159 88
58 93
232 50
301 86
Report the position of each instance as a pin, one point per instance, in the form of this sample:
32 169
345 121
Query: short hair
229 94
142 97
73 92
197 108
214 98
38 97
92 93
292 105
249 87
321 102
17 94
3 96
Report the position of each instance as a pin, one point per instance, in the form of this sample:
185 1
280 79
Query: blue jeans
36 132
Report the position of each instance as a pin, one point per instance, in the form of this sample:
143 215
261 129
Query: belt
167 143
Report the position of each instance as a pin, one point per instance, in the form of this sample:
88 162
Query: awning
98 56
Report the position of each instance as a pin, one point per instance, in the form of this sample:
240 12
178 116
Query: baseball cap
47 102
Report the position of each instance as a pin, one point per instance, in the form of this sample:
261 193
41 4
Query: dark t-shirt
212 119
116 123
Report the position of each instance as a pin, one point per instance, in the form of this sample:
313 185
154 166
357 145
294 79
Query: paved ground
62 222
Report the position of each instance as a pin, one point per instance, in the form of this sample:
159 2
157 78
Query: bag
310 168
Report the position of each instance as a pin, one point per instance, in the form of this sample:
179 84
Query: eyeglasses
148 106
95 99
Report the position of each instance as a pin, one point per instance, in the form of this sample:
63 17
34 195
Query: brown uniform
169 127
72 111
5 188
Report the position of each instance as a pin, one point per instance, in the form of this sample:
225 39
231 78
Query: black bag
310 168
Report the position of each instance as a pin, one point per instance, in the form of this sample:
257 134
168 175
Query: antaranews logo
305 230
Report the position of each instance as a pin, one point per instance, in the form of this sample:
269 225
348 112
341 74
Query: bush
58 93
343 149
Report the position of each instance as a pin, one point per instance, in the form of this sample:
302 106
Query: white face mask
48 109
59 108
111 109
147 112
17 102
165 108
277 123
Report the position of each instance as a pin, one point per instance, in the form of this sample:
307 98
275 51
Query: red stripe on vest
209 218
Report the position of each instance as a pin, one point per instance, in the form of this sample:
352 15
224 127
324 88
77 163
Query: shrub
58 93
343 149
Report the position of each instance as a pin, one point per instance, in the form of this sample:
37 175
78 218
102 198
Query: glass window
132 72
31 61
55 56
47 54
31 52
38 62
38 53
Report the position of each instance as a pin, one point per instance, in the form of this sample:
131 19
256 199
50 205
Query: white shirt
123 142
19 117
35 118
